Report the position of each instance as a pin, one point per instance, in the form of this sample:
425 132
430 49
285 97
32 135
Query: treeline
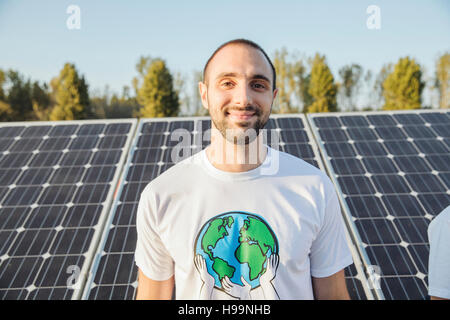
306 84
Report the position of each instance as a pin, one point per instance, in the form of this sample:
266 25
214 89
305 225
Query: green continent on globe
255 240
222 268
216 231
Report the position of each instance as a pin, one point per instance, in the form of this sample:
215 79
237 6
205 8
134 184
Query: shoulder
293 165
442 220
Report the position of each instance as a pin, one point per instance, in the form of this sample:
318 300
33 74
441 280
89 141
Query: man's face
238 91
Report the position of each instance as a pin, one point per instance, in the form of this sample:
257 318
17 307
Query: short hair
248 43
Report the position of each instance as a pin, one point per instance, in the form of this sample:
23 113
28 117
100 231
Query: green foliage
283 68
403 87
292 81
41 101
157 95
19 96
2 82
71 95
6 112
350 77
443 80
114 107
304 85
322 87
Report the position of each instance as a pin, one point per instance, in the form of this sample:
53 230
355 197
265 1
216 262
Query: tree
6 113
2 82
350 77
376 86
282 67
41 101
19 96
289 77
322 87
403 87
142 66
71 95
157 95
115 106
443 80
302 79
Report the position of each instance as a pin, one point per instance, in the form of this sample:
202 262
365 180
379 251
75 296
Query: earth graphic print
236 244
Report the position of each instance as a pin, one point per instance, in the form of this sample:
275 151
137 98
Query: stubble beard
238 136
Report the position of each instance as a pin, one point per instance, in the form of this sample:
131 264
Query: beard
237 136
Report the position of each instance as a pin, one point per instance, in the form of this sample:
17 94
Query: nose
242 96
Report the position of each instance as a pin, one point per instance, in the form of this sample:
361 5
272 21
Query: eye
227 84
259 85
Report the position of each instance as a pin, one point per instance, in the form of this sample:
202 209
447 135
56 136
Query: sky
35 39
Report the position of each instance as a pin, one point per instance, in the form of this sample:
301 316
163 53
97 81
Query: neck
227 156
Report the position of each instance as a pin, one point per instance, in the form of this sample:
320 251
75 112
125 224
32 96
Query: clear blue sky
35 40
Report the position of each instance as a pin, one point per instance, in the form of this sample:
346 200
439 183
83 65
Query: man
234 223
439 259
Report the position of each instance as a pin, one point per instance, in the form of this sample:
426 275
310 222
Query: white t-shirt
439 259
258 234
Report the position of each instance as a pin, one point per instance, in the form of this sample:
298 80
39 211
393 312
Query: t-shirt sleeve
329 251
439 258
151 256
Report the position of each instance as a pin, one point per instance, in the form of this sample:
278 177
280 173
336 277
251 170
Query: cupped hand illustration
236 290
271 269
200 264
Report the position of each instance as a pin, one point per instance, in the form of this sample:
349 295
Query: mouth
240 115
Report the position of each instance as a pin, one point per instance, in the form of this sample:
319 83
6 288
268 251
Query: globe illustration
236 244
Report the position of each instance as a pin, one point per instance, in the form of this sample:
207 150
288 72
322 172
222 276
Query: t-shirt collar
235 176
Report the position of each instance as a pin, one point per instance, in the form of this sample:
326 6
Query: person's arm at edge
331 288
437 298
149 289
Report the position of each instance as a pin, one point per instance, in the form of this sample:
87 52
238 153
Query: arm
331 288
149 289
437 298
439 257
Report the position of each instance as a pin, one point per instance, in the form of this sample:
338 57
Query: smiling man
227 223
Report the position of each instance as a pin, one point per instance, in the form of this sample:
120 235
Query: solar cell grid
52 198
392 176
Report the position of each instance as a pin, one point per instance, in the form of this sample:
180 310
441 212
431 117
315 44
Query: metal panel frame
80 283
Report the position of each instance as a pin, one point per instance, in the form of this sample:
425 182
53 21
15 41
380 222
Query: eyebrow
235 75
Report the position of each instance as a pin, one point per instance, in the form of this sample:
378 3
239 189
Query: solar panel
392 173
114 274
57 181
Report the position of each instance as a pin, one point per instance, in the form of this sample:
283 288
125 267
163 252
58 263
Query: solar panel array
57 181
393 173
114 273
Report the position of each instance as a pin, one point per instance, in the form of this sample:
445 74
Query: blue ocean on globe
226 247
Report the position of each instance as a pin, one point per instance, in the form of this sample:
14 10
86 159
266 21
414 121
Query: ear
275 92
203 90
